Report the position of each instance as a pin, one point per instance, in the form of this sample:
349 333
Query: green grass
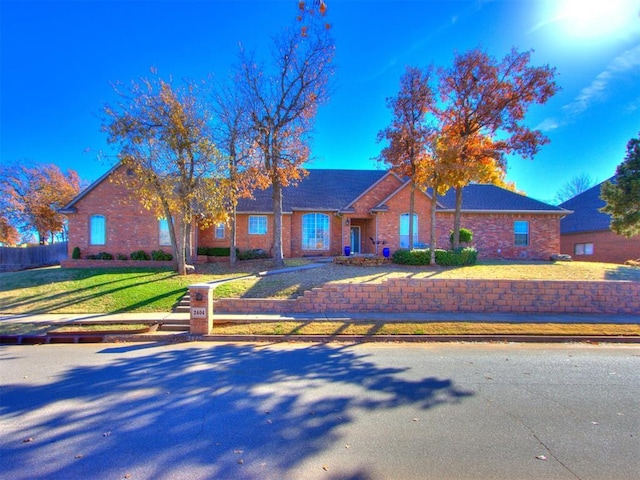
436 328
57 290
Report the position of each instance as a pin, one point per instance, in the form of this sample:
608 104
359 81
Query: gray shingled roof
491 197
333 190
587 216
322 189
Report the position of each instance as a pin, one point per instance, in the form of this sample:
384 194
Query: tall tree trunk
233 258
278 255
432 232
181 248
412 206
456 219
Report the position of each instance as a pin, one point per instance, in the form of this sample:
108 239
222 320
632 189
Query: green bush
76 253
466 236
159 255
122 256
254 254
462 256
459 257
140 255
411 257
215 251
100 256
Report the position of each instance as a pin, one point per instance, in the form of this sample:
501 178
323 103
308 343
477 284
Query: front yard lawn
57 290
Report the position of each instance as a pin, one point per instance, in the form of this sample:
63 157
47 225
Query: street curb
185 337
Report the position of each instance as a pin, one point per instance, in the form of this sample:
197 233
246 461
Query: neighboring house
366 210
586 235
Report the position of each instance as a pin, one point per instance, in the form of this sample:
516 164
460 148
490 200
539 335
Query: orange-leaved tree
409 134
32 197
483 106
235 140
166 146
283 97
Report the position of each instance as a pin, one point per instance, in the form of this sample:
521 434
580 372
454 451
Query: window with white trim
97 230
257 225
404 230
583 249
521 233
219 233
164 237
315 231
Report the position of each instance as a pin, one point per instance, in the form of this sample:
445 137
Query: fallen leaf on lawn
347 446
127 475
106 434
27 440
240 461
541 457
595 423
79 456
269 421
238 451
416 419
325 468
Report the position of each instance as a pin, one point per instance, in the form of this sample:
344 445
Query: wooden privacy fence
12 259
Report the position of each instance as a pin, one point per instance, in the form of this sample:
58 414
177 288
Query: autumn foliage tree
409 134
234 138
164 141
483 106
283 97
32 197
622 196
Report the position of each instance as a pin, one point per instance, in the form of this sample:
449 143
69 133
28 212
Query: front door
355 239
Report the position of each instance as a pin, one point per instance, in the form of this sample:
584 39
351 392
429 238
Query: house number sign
198 312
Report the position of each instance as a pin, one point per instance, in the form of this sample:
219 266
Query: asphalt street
320 411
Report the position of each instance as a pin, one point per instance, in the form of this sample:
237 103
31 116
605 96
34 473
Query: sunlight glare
596 19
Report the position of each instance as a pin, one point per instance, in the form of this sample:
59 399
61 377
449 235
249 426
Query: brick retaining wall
472 296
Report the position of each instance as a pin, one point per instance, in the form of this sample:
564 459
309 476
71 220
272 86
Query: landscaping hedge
459 257
216 251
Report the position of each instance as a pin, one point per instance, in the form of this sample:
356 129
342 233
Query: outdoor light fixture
347 222
199 296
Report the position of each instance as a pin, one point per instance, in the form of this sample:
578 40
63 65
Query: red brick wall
607 247
129 226
389 222
427 295
494 237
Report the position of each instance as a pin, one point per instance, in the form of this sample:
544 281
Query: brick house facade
586 235
365 210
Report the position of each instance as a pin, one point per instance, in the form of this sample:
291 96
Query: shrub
122 256
254 254
76 253
466 236
100 256
216 251
449 258
411 257
458 257
159 255
140 255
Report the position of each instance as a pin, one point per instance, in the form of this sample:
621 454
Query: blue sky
58 59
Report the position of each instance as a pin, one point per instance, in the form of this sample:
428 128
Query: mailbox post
201 309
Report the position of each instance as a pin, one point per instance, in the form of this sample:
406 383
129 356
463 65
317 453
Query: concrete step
175 325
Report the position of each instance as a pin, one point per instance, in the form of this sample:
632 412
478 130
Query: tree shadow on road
194 411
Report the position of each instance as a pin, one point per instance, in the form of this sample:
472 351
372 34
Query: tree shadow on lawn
222 411
53 302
